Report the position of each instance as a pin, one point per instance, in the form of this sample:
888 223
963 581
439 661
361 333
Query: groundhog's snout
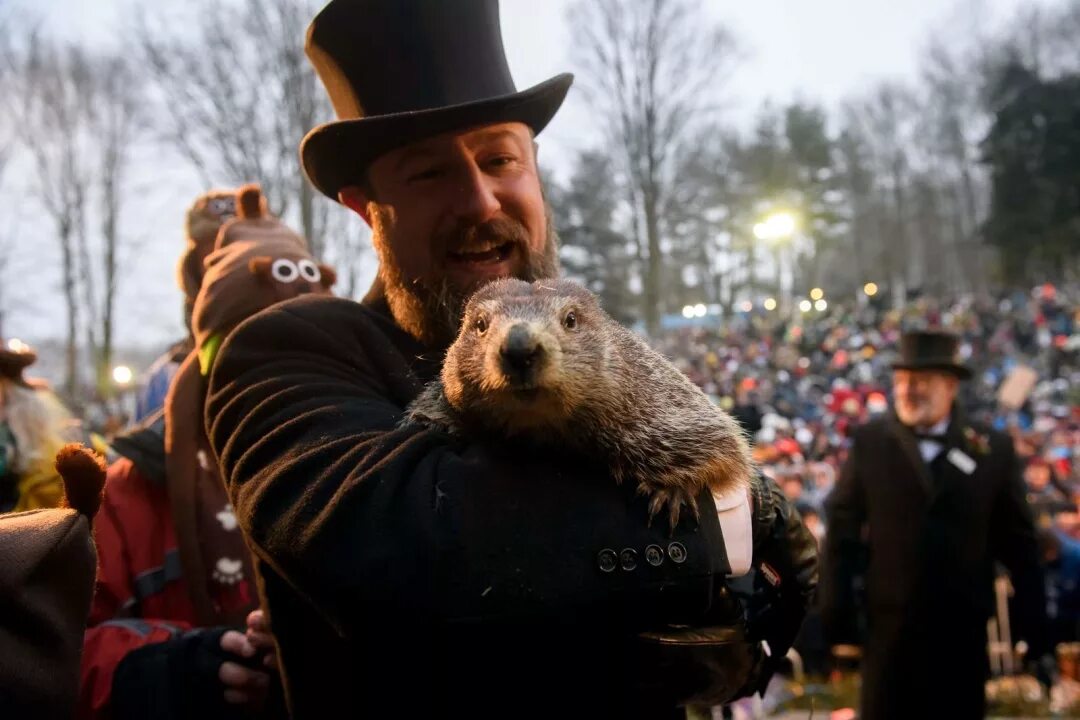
521 353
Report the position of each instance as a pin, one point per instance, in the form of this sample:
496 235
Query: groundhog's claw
674 498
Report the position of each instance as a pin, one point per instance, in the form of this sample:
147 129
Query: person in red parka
174 584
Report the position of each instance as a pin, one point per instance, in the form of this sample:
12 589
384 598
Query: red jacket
140 595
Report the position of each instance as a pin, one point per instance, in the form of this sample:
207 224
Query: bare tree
53 91
118 123
955 124
884 123
648 68
237 95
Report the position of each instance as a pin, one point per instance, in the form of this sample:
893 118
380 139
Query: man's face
923 397
451 213
1037 476
793 488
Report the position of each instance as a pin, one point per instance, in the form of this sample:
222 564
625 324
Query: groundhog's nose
520 350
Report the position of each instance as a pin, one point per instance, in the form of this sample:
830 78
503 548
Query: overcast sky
814 50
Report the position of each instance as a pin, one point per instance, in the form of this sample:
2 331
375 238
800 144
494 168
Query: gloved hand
711 663
182 678
700 665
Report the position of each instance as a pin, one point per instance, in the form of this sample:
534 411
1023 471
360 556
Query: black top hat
401 70
931 350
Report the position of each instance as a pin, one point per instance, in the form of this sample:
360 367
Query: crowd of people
801 386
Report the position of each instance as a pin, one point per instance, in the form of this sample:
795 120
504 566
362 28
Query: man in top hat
404 571
932 501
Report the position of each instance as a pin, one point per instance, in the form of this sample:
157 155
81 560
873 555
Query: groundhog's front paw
673 497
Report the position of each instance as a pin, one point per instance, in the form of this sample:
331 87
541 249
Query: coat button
628 559
607 560
654 555
677 552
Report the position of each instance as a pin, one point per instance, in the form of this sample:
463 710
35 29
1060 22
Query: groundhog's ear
249 202
327 274
260 266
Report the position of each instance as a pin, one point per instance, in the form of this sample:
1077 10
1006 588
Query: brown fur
83 472
596 387
249 202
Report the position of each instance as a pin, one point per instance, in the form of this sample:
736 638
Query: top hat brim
336 154
961 371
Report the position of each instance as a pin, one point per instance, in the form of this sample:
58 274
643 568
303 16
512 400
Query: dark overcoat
925 537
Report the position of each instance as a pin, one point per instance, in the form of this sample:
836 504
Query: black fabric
403 569
932 534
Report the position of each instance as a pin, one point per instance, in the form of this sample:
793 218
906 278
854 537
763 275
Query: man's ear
354 198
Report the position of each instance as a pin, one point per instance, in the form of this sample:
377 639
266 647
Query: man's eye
429 174
501 160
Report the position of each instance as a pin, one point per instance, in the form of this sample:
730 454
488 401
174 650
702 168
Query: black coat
926 538
406 573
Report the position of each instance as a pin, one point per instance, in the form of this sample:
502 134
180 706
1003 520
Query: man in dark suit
925 505
407 572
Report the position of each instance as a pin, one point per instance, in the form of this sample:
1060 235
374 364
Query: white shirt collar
929 449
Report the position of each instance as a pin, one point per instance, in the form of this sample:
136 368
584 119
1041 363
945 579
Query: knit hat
257 262
204 219
47 569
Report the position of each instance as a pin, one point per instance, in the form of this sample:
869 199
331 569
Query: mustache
497 231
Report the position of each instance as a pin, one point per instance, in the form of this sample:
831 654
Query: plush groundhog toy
257 262
544 362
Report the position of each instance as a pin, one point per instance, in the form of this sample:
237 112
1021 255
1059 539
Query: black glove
174 680
711 663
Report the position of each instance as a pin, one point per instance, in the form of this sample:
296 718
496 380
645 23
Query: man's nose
476 202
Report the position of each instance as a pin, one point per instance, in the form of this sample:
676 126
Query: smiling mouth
497 254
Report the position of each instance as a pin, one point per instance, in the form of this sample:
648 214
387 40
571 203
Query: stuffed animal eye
309 271
223 206
284 270
481 325
570 321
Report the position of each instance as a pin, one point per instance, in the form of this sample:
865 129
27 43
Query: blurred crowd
799 386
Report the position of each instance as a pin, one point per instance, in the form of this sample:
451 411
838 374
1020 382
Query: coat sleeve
365 519
844 548
1015 546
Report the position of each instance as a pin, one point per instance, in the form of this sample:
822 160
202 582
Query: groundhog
543 362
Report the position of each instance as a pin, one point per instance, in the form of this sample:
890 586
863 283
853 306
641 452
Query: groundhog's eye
570 321
481 325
